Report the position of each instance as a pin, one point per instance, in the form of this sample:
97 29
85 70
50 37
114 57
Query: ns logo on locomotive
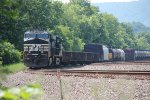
42 49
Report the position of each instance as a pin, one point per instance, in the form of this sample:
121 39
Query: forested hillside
139 27
77 23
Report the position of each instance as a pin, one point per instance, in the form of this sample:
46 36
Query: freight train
42 49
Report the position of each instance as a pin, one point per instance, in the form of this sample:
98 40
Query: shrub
8 53
30 92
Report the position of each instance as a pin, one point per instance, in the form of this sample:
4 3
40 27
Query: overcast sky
103 1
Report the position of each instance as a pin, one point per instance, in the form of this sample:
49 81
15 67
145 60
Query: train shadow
64 66
72 66
68 66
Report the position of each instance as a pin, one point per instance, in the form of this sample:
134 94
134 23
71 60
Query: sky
137 11
103 1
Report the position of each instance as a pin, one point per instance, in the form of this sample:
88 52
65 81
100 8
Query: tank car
122 55
117 54
142 54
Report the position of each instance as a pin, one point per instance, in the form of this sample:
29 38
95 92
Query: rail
128 72
125 74
118 72
91 72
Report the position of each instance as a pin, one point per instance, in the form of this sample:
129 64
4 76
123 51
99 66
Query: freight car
102 50
132 55
42 49
117 54
79 58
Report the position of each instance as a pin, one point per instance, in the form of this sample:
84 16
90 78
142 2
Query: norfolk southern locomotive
42 49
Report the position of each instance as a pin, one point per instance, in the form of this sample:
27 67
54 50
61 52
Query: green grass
12 68
9 69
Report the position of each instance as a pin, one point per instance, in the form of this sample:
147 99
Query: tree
8 20
84 24
111 26
77 22
129 36
41 14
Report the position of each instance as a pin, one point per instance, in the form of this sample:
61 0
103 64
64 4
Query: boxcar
102 50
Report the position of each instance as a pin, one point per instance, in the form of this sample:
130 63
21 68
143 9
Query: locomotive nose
36 59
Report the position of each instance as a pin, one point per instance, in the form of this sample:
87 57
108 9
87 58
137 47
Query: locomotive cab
41 49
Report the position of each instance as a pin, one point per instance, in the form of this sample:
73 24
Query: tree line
77 23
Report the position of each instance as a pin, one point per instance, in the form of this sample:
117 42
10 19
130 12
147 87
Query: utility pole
60 83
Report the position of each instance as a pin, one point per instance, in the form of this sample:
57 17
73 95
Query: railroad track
124 63
134 72
128 74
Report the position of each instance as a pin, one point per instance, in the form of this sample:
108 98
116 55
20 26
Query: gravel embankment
49 83
113 66
83 88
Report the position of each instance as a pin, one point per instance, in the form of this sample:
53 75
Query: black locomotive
42 49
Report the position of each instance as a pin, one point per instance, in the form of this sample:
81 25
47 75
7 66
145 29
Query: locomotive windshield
36 36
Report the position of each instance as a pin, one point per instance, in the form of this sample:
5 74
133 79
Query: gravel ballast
113 66
83 88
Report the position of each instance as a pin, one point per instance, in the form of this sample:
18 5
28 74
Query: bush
30 92
9 54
